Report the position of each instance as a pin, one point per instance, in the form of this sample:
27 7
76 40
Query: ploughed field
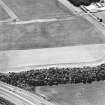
77 31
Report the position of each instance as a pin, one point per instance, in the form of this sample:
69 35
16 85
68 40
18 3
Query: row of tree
83 2
54 76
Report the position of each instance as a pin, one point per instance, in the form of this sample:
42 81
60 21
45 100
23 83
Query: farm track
8 10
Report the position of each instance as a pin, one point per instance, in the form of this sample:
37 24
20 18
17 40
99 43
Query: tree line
83 2
54 76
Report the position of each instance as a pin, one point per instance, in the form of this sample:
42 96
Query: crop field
31 9
52 34
3 14
76 31
60 34
65 33
75 94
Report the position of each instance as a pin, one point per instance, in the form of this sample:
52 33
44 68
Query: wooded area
54 76
83 2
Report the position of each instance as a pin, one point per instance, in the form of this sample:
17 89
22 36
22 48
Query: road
21 97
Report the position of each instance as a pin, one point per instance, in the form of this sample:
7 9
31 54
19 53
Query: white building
96 7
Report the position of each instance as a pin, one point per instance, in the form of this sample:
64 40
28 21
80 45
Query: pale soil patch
45 35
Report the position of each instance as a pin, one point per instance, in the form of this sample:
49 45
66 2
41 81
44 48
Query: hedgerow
54 76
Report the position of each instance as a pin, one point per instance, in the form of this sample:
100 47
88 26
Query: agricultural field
3 101
101 14
65 33
32 9
77 31
3 14
75 94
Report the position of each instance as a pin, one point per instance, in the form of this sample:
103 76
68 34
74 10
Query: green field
71 94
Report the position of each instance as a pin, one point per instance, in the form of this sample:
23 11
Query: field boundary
44 20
